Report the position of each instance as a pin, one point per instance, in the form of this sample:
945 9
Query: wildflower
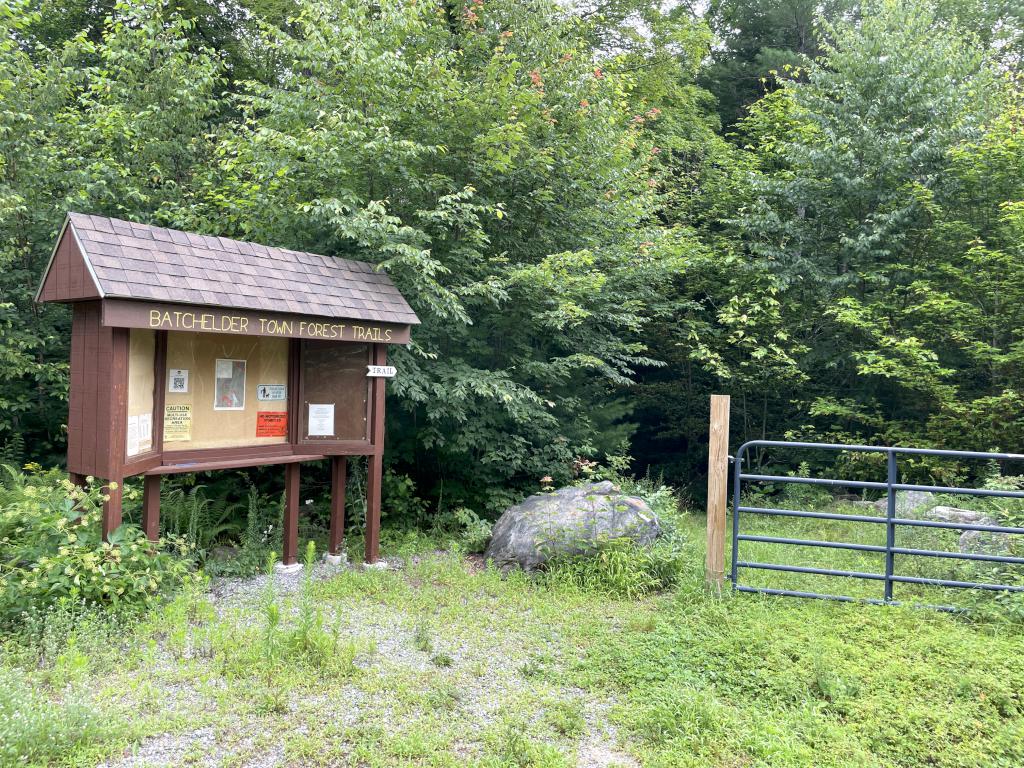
598 73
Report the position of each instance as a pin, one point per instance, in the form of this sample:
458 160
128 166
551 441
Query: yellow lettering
387 335
243 325
154 318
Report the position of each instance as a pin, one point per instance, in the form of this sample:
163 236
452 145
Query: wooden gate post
718 487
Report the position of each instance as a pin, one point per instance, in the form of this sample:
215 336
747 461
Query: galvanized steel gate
891 486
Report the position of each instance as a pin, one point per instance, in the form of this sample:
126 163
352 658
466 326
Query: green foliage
552 187
201 520
52 550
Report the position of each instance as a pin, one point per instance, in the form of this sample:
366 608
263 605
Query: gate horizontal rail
891 486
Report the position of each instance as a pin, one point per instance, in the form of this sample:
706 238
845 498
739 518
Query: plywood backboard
207 426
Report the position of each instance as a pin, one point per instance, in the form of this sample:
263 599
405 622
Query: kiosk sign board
243 355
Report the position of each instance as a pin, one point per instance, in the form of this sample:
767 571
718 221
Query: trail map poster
229 383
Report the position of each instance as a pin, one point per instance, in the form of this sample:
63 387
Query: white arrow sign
382 371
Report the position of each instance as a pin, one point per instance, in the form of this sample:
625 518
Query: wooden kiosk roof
107 258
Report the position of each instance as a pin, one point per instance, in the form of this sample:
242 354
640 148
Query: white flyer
145 432
321 420
224 369
132 446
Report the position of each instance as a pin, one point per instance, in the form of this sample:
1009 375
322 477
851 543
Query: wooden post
112 506
337 534
375 461
291 514
718 487
373 480
151 507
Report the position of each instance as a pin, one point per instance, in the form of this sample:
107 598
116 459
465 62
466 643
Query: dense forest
602 211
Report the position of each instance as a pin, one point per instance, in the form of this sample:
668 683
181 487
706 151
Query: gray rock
970 542
907 502
860 504
956 515
985 542
572 521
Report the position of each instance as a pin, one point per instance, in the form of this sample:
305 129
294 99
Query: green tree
113 127
491 163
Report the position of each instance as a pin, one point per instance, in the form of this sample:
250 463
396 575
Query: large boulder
907 502
570 521
970 542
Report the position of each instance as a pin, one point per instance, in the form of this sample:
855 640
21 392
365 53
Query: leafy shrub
201 520
53 550
469 532
261 536
621 568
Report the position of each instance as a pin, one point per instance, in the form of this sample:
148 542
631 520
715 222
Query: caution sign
177 423
272 424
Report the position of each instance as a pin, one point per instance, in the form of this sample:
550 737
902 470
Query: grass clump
36 729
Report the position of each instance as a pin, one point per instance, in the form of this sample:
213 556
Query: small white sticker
271 392
177 380
381 371
321 420
225 369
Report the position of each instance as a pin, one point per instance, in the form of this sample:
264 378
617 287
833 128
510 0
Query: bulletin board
335 394
141 383
225 391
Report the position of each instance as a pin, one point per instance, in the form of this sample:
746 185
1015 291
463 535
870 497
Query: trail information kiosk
192 353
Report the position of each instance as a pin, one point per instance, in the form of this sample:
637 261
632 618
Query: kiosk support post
337 534
112 506
291 514
374 462
151 507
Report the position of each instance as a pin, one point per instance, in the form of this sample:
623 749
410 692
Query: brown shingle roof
137 261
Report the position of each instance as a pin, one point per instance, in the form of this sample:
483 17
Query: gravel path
498 665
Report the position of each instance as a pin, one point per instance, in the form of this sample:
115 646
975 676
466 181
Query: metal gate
892 485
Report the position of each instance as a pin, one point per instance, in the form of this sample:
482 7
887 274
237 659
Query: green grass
443 665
